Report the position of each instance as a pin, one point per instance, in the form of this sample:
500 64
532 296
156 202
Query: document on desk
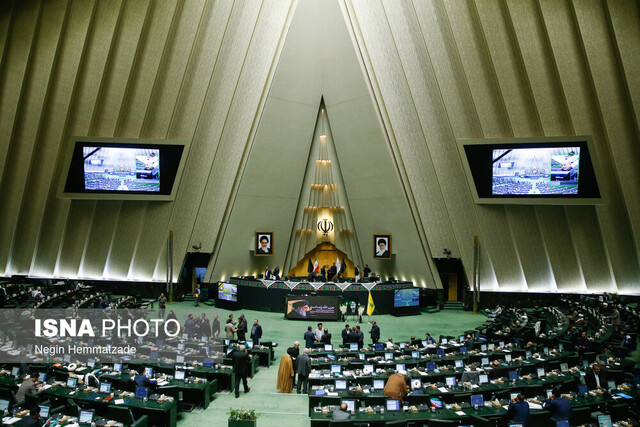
119 401
534 406
332 393
11 420
46 386
443 389
162 382
461 413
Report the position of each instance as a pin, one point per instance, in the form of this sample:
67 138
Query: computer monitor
91 363
86 417
400 367
545 350
179 375
153 355
513 375
459 364
415 354
4 405
328 347
117 367
445 341
351 404
331 357
379 346
527 353
142 392
463 350
402 345
477 399
516 425
368 367
562 423
341 384
360 356
513 395
393 405
416 384
440 352
549 393
582 389
585 363
507 358
491 347
148 372
185 336
72 382
336 369
44 411
560 346
451 381
483 347
636 381
353 346
105 387
249 344
604 420
485 361
226 342
431 366
388 356
564 367
204 338
460 338
15 371
611 384
208 362
179 358
483 378
42 377
435 403
378 384
540 372
320 392
181 346
424 343
501 344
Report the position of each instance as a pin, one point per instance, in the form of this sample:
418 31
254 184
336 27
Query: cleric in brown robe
285 374
396 387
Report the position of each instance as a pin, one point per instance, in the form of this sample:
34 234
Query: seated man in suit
470 376
519 410
596 378
28 386
33 419
341 413
142 380
558 406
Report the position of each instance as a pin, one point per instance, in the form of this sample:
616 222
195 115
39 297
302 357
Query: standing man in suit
304 369
319 332
240 359
196 294
242 328
230 330
256 333
294 352
162 303
345 334
366 270
309 337
357 273
215 327
375 332
276 273
326 337
267 273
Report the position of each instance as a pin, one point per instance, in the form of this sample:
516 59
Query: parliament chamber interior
319 213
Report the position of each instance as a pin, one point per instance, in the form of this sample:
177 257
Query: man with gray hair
303 370
341 413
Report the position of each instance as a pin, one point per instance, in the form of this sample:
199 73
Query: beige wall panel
623 17
74 241
219 94
620 125
202 61
161 109
412 153
556 233
15 58
126 233
6 21
25 129
103 223
237 137
588 241
584 110
50 136
78 122
148 57
159 116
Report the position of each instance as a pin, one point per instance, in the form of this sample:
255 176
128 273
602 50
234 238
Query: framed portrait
382 246
264 243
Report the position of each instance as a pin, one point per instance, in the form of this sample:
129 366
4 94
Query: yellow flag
370 305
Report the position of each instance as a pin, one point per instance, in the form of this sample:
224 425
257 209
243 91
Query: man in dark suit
558 406
326 337
375 332
240 359
33 419
303 370
309 337
256 333
519 410
242 328
141 379
294 352
584 345
596 378
345 334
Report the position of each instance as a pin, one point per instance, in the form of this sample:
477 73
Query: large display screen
535 171
228 292
406 298
312 307
121 169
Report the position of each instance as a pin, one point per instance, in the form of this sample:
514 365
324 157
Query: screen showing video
536 171
406 298
312 307
228 292
121 169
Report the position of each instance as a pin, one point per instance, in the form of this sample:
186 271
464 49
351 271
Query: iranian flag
316 267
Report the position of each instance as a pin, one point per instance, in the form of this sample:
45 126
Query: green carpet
281 410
